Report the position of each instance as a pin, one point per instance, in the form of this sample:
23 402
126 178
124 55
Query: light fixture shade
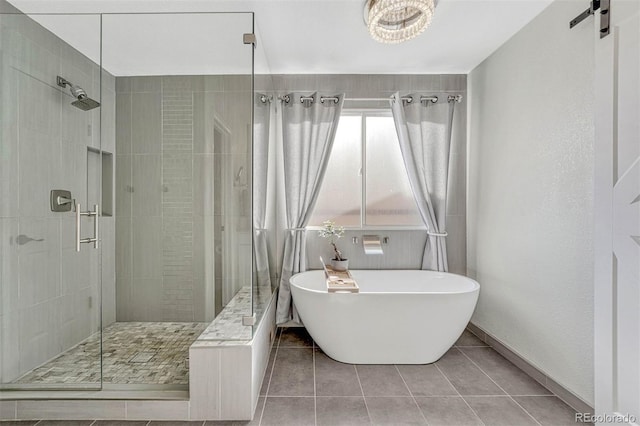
395 21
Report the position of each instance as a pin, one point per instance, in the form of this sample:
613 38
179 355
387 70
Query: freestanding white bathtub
399 317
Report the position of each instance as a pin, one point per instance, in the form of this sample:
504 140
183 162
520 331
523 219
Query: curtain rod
408 99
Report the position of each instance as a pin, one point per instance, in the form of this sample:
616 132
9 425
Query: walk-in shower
161 141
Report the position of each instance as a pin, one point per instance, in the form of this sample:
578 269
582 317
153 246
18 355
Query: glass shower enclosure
126 164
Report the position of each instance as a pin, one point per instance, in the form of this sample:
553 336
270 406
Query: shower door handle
79 214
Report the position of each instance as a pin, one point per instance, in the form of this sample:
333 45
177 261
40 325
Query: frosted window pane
341 192
388 194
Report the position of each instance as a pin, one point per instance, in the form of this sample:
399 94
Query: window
366 183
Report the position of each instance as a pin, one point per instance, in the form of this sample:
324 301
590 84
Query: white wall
530 202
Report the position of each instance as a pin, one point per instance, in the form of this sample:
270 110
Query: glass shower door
50 189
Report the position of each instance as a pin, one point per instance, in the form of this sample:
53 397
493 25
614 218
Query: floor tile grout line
364 398
264 405
273 366
412 395
409 396
276 345
315 392
507 394
458 392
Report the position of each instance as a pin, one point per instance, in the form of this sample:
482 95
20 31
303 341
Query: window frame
363 113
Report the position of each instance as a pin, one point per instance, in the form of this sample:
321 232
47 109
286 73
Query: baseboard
540 376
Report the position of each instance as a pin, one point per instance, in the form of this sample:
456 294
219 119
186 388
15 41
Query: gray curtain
261 117
308 131
424 133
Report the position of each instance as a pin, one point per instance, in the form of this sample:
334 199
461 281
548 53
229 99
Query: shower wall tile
124 185
10 344
73 176
108 270
240 83
108 81
146 198
204 121
177 179
191 107
123 122
146 298
147 247
75 124
38 336
213 83
124 252
39 261
123 85
75 271
263 83
9 135
9 270
182 83
124 307
39 163
146 84
67 319
146 119
94 175
203 178
75 67
38 106
107 113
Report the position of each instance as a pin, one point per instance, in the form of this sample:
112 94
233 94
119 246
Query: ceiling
294 36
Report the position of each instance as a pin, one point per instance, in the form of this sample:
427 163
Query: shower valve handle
79 214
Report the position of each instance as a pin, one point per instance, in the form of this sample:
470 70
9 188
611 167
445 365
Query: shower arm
62 82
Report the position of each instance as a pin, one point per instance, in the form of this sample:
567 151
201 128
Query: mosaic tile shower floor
133 353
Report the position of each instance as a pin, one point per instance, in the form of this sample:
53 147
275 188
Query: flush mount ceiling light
395 21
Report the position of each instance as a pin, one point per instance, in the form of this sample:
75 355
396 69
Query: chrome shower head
77 91
83 102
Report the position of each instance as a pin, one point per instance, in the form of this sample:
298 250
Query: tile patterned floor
471 385
133 352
